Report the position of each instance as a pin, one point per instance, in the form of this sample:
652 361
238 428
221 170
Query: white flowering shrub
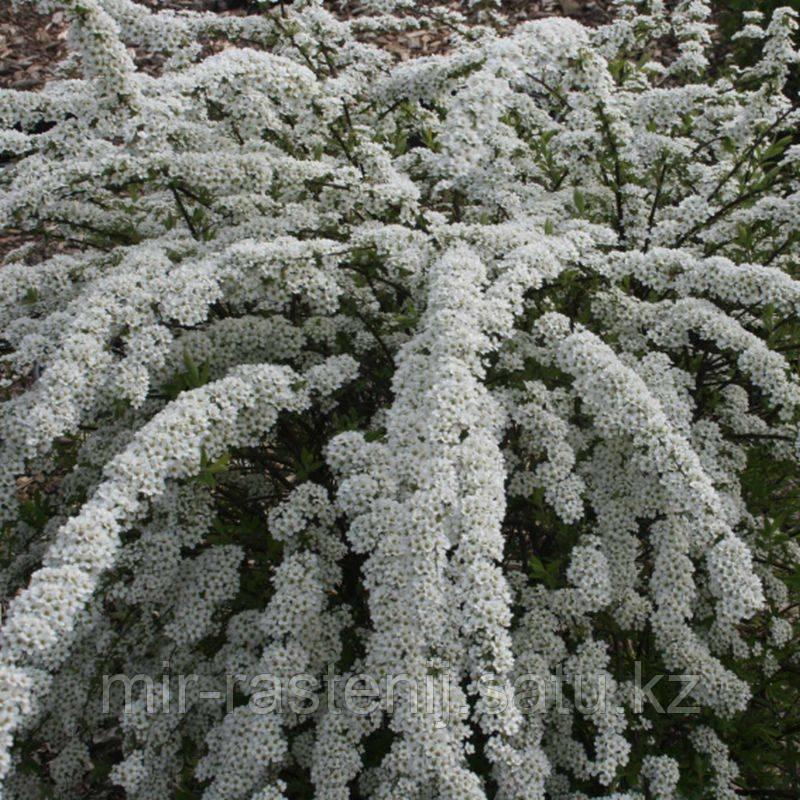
474 372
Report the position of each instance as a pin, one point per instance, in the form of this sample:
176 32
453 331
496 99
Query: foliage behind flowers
480 365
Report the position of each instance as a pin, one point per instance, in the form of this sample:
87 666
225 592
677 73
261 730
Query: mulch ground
31 45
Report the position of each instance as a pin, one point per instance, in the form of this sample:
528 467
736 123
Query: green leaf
777 147
210 470
308 464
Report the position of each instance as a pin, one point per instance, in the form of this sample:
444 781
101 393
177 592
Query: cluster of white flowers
451 376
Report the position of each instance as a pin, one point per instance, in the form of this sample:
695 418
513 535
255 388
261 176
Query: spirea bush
474 372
